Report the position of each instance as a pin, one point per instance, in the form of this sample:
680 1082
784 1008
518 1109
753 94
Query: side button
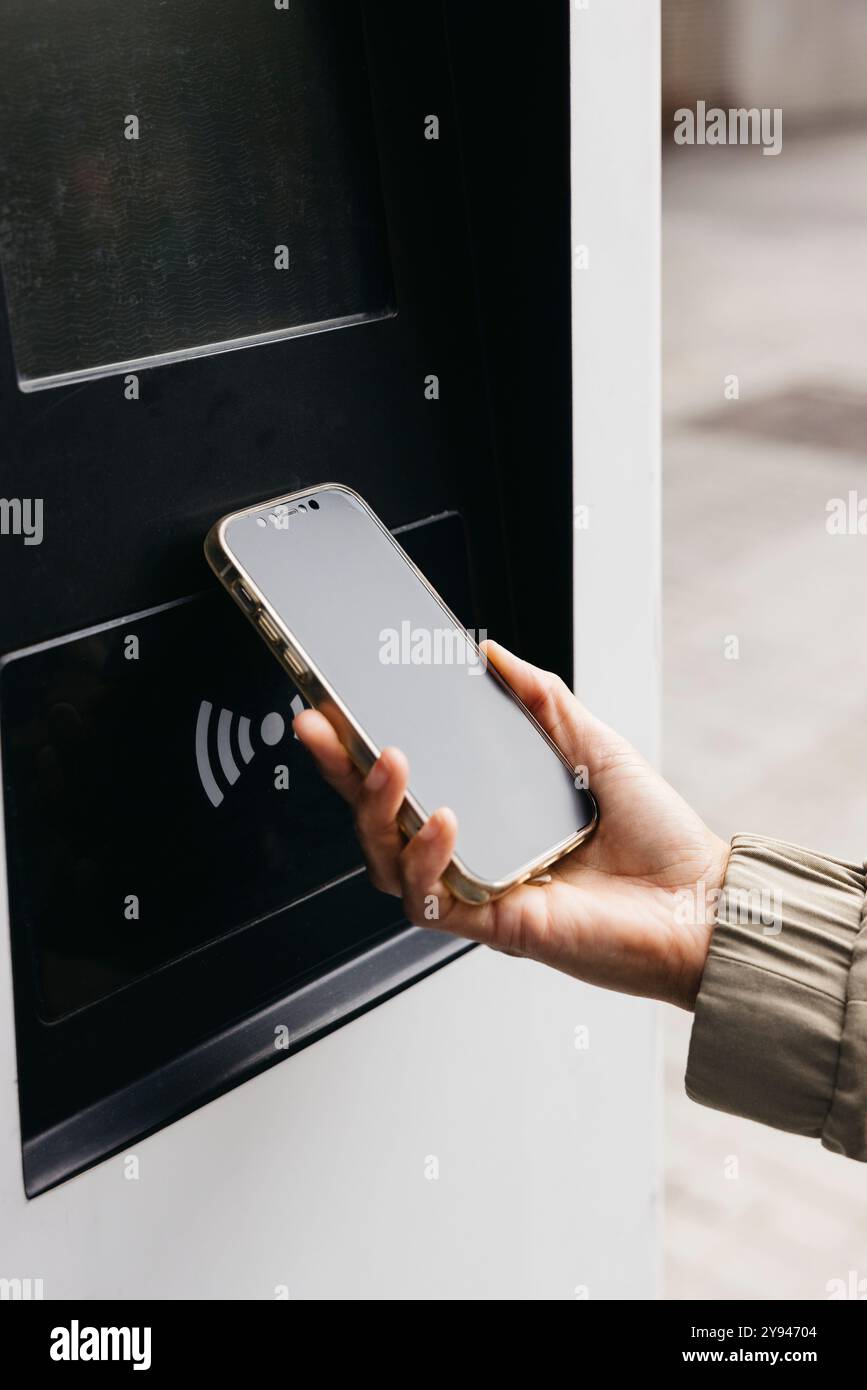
295 666
268 627
247 601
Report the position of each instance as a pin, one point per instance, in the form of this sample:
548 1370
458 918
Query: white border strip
615 55
616 93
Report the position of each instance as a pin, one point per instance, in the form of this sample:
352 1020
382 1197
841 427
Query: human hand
612 911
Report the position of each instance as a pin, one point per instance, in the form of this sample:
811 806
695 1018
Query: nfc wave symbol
271 730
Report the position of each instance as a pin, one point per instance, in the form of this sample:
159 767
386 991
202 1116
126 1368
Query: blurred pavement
765 278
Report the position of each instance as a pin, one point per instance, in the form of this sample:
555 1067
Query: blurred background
765 422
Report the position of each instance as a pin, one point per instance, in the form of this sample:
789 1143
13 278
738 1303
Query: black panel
149 819
131 486
157 798
519 199
476 243
157 803
155 157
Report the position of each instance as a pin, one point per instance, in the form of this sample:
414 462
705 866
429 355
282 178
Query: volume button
292 661
269 627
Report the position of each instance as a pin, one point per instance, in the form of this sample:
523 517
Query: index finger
328 753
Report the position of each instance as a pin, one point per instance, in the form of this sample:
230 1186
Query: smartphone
369 642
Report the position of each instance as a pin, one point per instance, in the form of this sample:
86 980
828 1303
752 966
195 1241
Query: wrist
707 892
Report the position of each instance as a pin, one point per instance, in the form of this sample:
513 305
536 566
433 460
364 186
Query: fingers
422 865
428 901
376 806
375 799
519 923
331 758
565 720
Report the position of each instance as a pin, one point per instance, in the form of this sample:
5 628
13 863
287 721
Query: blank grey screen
349 597
254 132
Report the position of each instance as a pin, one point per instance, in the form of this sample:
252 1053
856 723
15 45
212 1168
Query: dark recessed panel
180 178
175 861
159 799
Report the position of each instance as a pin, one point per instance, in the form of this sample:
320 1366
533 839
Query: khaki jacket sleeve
780 1031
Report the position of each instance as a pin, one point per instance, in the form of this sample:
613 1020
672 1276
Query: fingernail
377 776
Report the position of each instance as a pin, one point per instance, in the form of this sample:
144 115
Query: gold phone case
316 690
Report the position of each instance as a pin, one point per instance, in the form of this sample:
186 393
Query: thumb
551 702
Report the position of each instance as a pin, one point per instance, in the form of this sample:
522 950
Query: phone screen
411 679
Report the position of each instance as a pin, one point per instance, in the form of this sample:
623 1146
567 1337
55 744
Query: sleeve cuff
775 1018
